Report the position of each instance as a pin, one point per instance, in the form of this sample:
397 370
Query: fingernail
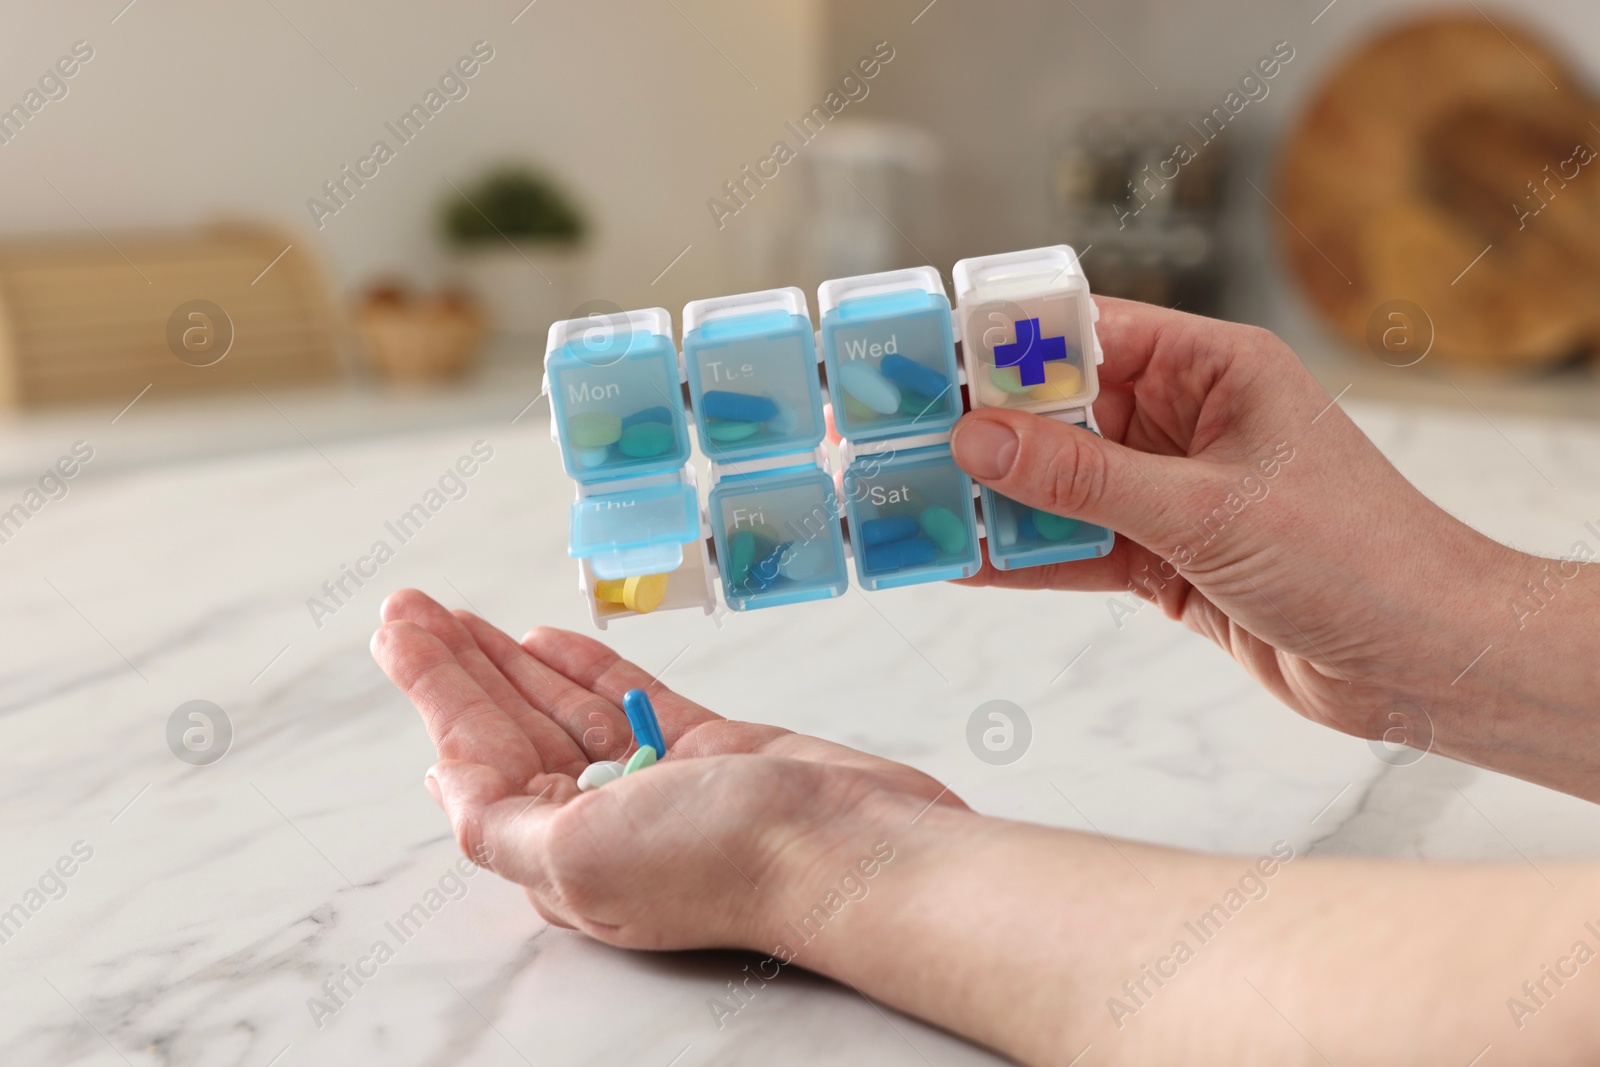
984 449
433 787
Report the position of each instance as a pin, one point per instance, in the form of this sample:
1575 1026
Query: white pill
806 559
869 388
1005 525
598 774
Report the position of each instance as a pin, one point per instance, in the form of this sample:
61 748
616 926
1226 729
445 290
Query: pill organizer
1028 341
747 387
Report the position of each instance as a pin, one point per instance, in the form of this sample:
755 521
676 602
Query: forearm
1529 704
1042 943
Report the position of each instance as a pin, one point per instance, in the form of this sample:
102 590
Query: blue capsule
1025 527
899 555
893 528
913 375
738 407
642 717
765 570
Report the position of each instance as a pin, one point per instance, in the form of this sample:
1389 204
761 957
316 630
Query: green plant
515 202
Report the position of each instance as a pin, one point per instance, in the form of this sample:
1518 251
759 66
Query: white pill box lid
1031 273
832 293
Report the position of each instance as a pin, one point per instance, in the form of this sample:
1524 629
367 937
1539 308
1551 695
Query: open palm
636 863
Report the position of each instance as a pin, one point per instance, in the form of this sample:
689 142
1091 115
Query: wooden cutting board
1452 162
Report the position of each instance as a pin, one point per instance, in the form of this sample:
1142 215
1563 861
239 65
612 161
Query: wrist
826 868
1522 699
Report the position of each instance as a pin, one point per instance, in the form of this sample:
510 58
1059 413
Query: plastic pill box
747 385
617 416
889 350
751 366
1028 341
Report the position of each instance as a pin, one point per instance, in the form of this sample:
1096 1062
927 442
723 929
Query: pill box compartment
688 587
912 518
890 354
777 538
751 364
615 400
1027 330
1020 536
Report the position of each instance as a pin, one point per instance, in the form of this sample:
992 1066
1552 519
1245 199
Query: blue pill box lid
758 350
617 368
639 530
863 318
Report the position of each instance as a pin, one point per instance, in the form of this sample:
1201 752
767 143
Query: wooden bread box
91 317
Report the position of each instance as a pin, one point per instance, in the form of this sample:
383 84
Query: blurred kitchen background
196 219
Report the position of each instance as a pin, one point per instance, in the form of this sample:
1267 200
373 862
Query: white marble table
219 898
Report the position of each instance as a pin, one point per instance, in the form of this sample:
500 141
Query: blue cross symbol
1030 352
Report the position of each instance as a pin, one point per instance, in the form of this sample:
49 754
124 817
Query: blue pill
1025 528
899 555
655 414
765 570
893 528
738 407
913 375
642 717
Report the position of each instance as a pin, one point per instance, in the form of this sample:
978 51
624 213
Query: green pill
645 439
593 429
916 404
945 529
1054 527
730 429
1008 379
640 759
741 556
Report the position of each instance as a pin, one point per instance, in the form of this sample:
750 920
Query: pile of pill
759 561
1063 381
897 542
642 593
646 734
731 417
599 437
896 386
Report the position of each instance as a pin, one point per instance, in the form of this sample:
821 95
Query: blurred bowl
421 339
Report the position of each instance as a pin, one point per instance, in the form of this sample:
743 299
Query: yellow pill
642 593
1062 381
857 409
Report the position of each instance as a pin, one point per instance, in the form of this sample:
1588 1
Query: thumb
1070 470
